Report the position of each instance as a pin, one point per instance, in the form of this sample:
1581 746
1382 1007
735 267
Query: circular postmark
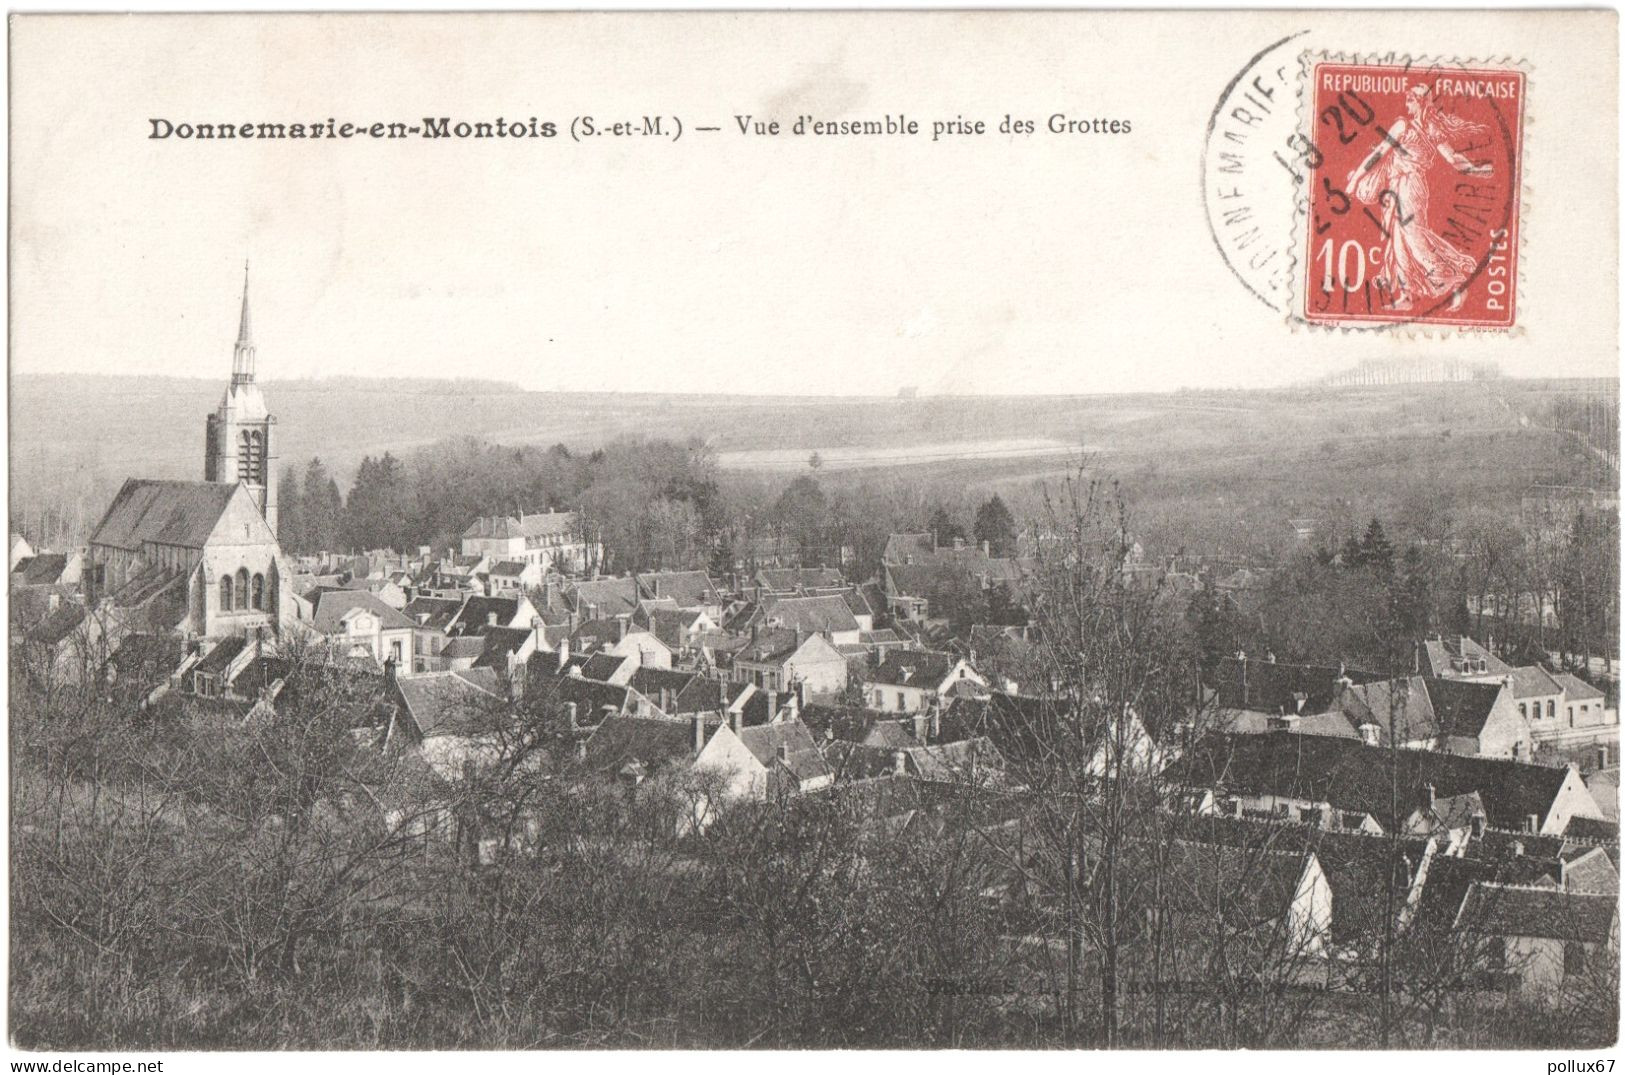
1248 183
1368 193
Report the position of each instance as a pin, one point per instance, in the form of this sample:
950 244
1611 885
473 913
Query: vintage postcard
853 530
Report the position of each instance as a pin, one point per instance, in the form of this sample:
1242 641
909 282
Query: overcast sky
1050 264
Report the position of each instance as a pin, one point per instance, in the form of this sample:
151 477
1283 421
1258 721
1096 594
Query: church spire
242 359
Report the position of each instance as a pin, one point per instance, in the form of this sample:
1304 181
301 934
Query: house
634 750
676 694
507 578
203 547
1458 657
1562 710
866 727
604 598
679 628
911 681
1375 881
828 616
1541 937
765 760
552 541
477 613
686 590
1343 783
646 650
452 718
1428 713
779 659
1261 906
64 569
788 581
431 617
20 550
356 622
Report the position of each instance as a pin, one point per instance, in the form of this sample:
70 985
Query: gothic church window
259 592
225 593
251 457
242 587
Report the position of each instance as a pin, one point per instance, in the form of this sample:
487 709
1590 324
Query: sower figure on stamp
1417 262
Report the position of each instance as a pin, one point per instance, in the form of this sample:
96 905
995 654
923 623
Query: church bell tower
238 444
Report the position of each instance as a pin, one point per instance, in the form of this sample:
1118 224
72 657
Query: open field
1208 461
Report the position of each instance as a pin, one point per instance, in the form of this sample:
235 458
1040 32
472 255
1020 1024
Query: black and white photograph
811 531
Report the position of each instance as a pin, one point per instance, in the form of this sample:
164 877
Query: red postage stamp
1413 176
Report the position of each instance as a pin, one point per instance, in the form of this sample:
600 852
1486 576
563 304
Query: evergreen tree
1413 598
944 529
1376 552
322 508
290 519
996 527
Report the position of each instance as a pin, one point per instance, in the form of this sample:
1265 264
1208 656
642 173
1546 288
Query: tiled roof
167 512
1459 655
799 753
1577 689
546 524
686 691
333 607
217 659
1530 681
1354 777
57 624
688 589
509 569
433 612
602 598
968 761
791 579
42 570
600 666
810 614
771 646
901 546
1271 687
450 703
648 742
500 644
477 611
1519 911
924 669
1359 867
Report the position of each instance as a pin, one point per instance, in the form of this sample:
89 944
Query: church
201 557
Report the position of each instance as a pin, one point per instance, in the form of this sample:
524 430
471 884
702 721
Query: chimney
1428 796
1269 656
922 727
620 628
1517 849
899 762
1532 823
564 652
490 619
736 720
570 712
936 718
1478 826
1416 658
987 549
698 723
772 706
1602 757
